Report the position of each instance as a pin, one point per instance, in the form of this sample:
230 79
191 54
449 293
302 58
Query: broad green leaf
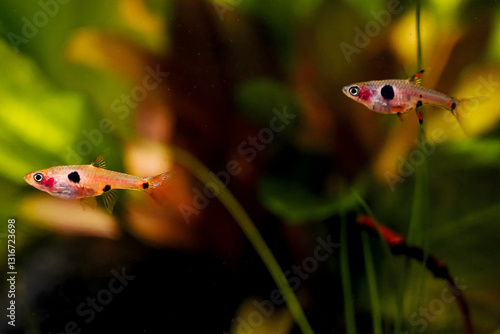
262 99
37 119
297 204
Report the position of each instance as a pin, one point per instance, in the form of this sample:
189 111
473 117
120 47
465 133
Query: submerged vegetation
293 208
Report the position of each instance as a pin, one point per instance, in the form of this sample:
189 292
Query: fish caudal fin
461 109
155 186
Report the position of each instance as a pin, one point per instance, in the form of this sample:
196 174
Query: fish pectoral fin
109 198
88 202
417 78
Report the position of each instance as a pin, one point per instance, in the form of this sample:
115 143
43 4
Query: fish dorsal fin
88 202
109 199
417 78
99 162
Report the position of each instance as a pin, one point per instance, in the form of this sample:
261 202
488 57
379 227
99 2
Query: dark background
72 86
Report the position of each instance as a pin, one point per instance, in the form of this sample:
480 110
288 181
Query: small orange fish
399 96
87 181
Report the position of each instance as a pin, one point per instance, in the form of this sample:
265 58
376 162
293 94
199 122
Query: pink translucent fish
400 96
87 181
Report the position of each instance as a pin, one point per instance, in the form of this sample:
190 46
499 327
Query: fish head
359 92
57 181
41 179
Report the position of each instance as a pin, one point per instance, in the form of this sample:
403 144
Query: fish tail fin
155 186
462 108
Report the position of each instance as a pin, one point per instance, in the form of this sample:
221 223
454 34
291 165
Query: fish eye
354 90
38 177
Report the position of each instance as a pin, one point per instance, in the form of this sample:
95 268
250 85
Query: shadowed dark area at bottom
193 293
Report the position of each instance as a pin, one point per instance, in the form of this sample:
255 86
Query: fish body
399 96
87 181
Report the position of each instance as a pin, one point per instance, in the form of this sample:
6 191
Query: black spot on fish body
420 95
453 106
387 92
419 104
145 185
74 177
106 188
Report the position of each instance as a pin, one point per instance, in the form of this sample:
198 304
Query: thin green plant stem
419 206
419 217
346 278
415 234
370 213
418 222
365 206
252 233
372 285
393 270
419 45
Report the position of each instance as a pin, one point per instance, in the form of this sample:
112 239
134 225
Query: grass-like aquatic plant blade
394 272
350 319
399 246
372 285
419 207
419 44
417 231
419 215
252 233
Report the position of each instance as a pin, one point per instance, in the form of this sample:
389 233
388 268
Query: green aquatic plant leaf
297 204
38 119
261 99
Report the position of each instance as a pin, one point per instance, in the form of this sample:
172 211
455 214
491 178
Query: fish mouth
344 90
28 177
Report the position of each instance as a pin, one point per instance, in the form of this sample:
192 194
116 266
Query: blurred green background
142 80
